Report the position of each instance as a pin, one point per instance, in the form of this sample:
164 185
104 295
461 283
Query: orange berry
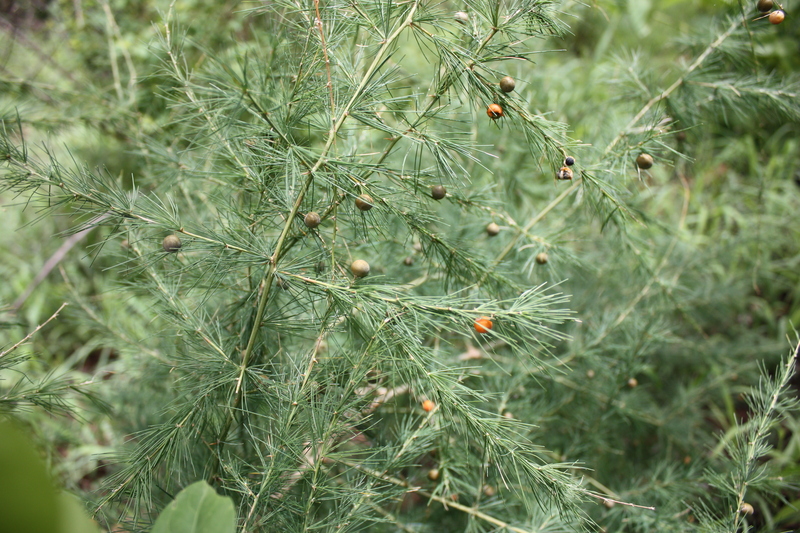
776 17
483 324
428 406
494 111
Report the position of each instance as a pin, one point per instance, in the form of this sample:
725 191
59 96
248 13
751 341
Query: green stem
273 261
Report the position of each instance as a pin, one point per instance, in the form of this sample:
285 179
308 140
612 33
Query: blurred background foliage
706 282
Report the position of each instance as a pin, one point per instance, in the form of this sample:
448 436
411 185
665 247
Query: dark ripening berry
569 161
492 229
171 243
364 202
312 220
765 5
541 258
644 161
494 111
564 173
359 268
438 192
507 84
776 17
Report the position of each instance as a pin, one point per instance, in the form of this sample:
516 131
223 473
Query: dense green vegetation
636 376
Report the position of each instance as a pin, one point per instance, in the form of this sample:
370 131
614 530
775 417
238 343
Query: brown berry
644 161
564 173
507 84
541 258
359 268
438 192
171 243
492 229
408 261
776 17
364 202
483 324
746 508
433 474
494 111
312 220
428 406
633 382
765 5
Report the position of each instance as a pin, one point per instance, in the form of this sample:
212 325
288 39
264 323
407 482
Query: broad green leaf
72 517
197 509
29 502
27 497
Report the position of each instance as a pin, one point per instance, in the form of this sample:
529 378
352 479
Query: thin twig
29 335
55 259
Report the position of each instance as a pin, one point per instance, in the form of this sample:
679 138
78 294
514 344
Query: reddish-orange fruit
483 324
428 406
776 17
494 111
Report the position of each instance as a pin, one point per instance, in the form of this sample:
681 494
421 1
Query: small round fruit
492 229
438 192
428 406
765 5
564 173
408 261
461 17
746 508
507 84
569 161
590 373
483 324
359 268
633 382
644 161
312 220
541 258
364 202
171 243
433 474
776 17
494 111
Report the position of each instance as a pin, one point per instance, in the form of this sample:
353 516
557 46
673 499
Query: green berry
644 161
171 243
312 220
507 84
359 268
364 202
